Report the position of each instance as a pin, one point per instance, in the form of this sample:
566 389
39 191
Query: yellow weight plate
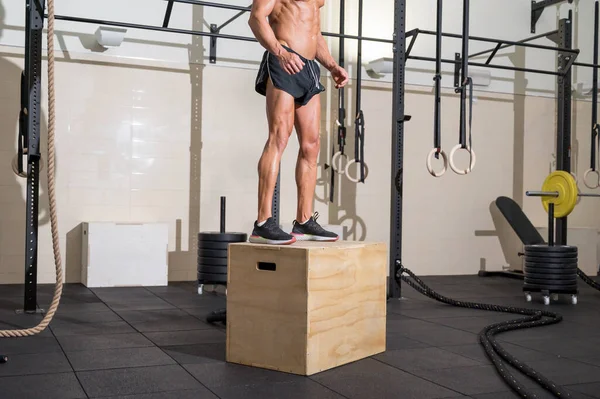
566 186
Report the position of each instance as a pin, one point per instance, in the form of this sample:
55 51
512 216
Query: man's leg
308 123
280 117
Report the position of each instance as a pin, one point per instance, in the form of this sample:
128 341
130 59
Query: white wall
151 132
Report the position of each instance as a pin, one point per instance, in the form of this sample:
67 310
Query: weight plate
213 245
549 276
212 253
212 269
212 261
568 261
222 237
553 266
209 278
537 287
550 282
540 270
550 255
551 249
566 186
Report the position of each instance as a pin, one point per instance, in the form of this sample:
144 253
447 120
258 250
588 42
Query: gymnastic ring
430 161
585 176
453 166
15 166
353 180
334 159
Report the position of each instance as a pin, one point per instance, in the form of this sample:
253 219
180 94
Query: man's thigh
280 109
308 120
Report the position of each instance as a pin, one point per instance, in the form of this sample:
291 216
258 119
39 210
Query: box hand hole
267 266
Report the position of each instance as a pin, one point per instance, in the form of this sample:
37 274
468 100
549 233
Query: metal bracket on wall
213 44
214 28
537 9
457 64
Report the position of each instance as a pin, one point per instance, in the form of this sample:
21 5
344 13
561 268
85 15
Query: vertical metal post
34 24
551 224
223 215
563 134
341 128
394 290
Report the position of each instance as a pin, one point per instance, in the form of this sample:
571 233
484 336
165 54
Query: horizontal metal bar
149 27
585 64
214 5
479 64
367 39
512 43
503 46
555 194
542 194
194 32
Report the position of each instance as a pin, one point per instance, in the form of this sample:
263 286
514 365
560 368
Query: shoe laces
314 218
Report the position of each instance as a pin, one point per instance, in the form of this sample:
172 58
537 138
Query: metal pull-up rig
29 136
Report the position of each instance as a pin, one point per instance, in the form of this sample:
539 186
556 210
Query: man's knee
280 134
309 147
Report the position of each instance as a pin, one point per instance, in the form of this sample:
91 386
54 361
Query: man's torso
297 24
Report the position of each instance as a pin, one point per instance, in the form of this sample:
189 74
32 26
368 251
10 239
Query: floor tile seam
326 387
445 350
72 368
420 377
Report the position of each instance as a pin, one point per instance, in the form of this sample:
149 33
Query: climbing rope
51 193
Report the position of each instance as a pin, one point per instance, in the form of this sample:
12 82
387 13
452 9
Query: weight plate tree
213 250
553 269
550 274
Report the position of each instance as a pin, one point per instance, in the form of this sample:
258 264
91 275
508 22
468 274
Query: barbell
560 189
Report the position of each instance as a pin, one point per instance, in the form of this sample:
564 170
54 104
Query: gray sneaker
312 231
270 233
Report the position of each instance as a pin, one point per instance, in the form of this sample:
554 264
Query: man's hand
290 62
340 76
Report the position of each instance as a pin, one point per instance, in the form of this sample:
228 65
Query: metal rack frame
29 142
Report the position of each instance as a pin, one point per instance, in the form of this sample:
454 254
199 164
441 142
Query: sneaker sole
309 237
262 240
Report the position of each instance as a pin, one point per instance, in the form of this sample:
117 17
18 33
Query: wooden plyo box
307 307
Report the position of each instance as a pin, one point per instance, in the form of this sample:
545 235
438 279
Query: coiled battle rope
493 349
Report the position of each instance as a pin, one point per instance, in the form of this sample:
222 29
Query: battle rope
51 193
588 280
493 349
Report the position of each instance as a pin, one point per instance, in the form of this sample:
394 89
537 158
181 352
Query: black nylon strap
469 82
